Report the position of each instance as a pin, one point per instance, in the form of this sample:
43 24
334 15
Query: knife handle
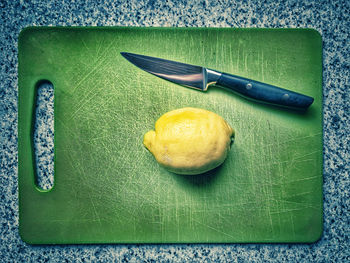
264 92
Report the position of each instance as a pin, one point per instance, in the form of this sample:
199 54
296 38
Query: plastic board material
109 189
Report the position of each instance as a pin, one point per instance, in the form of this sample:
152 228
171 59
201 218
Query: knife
201 78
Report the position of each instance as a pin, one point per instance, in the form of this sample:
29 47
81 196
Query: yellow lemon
189 140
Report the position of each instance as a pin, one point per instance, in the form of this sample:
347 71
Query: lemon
190 140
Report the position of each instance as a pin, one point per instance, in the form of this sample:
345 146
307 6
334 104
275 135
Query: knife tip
127 55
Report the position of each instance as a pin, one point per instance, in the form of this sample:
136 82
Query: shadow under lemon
198 180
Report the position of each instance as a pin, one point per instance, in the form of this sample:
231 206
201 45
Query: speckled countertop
330 18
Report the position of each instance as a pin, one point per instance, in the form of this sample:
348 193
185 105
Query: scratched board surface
109 189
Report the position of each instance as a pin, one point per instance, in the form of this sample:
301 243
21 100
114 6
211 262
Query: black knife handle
264 92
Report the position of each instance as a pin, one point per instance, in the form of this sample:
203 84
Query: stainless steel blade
180 73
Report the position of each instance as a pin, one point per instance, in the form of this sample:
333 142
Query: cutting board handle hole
43 135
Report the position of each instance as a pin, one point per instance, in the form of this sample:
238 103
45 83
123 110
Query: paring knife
201 78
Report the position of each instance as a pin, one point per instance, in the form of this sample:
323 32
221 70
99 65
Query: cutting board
109 189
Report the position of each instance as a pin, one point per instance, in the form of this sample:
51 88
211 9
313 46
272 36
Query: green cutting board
109 189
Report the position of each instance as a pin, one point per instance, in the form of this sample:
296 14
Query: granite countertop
329 18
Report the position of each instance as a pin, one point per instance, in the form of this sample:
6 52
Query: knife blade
201 78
